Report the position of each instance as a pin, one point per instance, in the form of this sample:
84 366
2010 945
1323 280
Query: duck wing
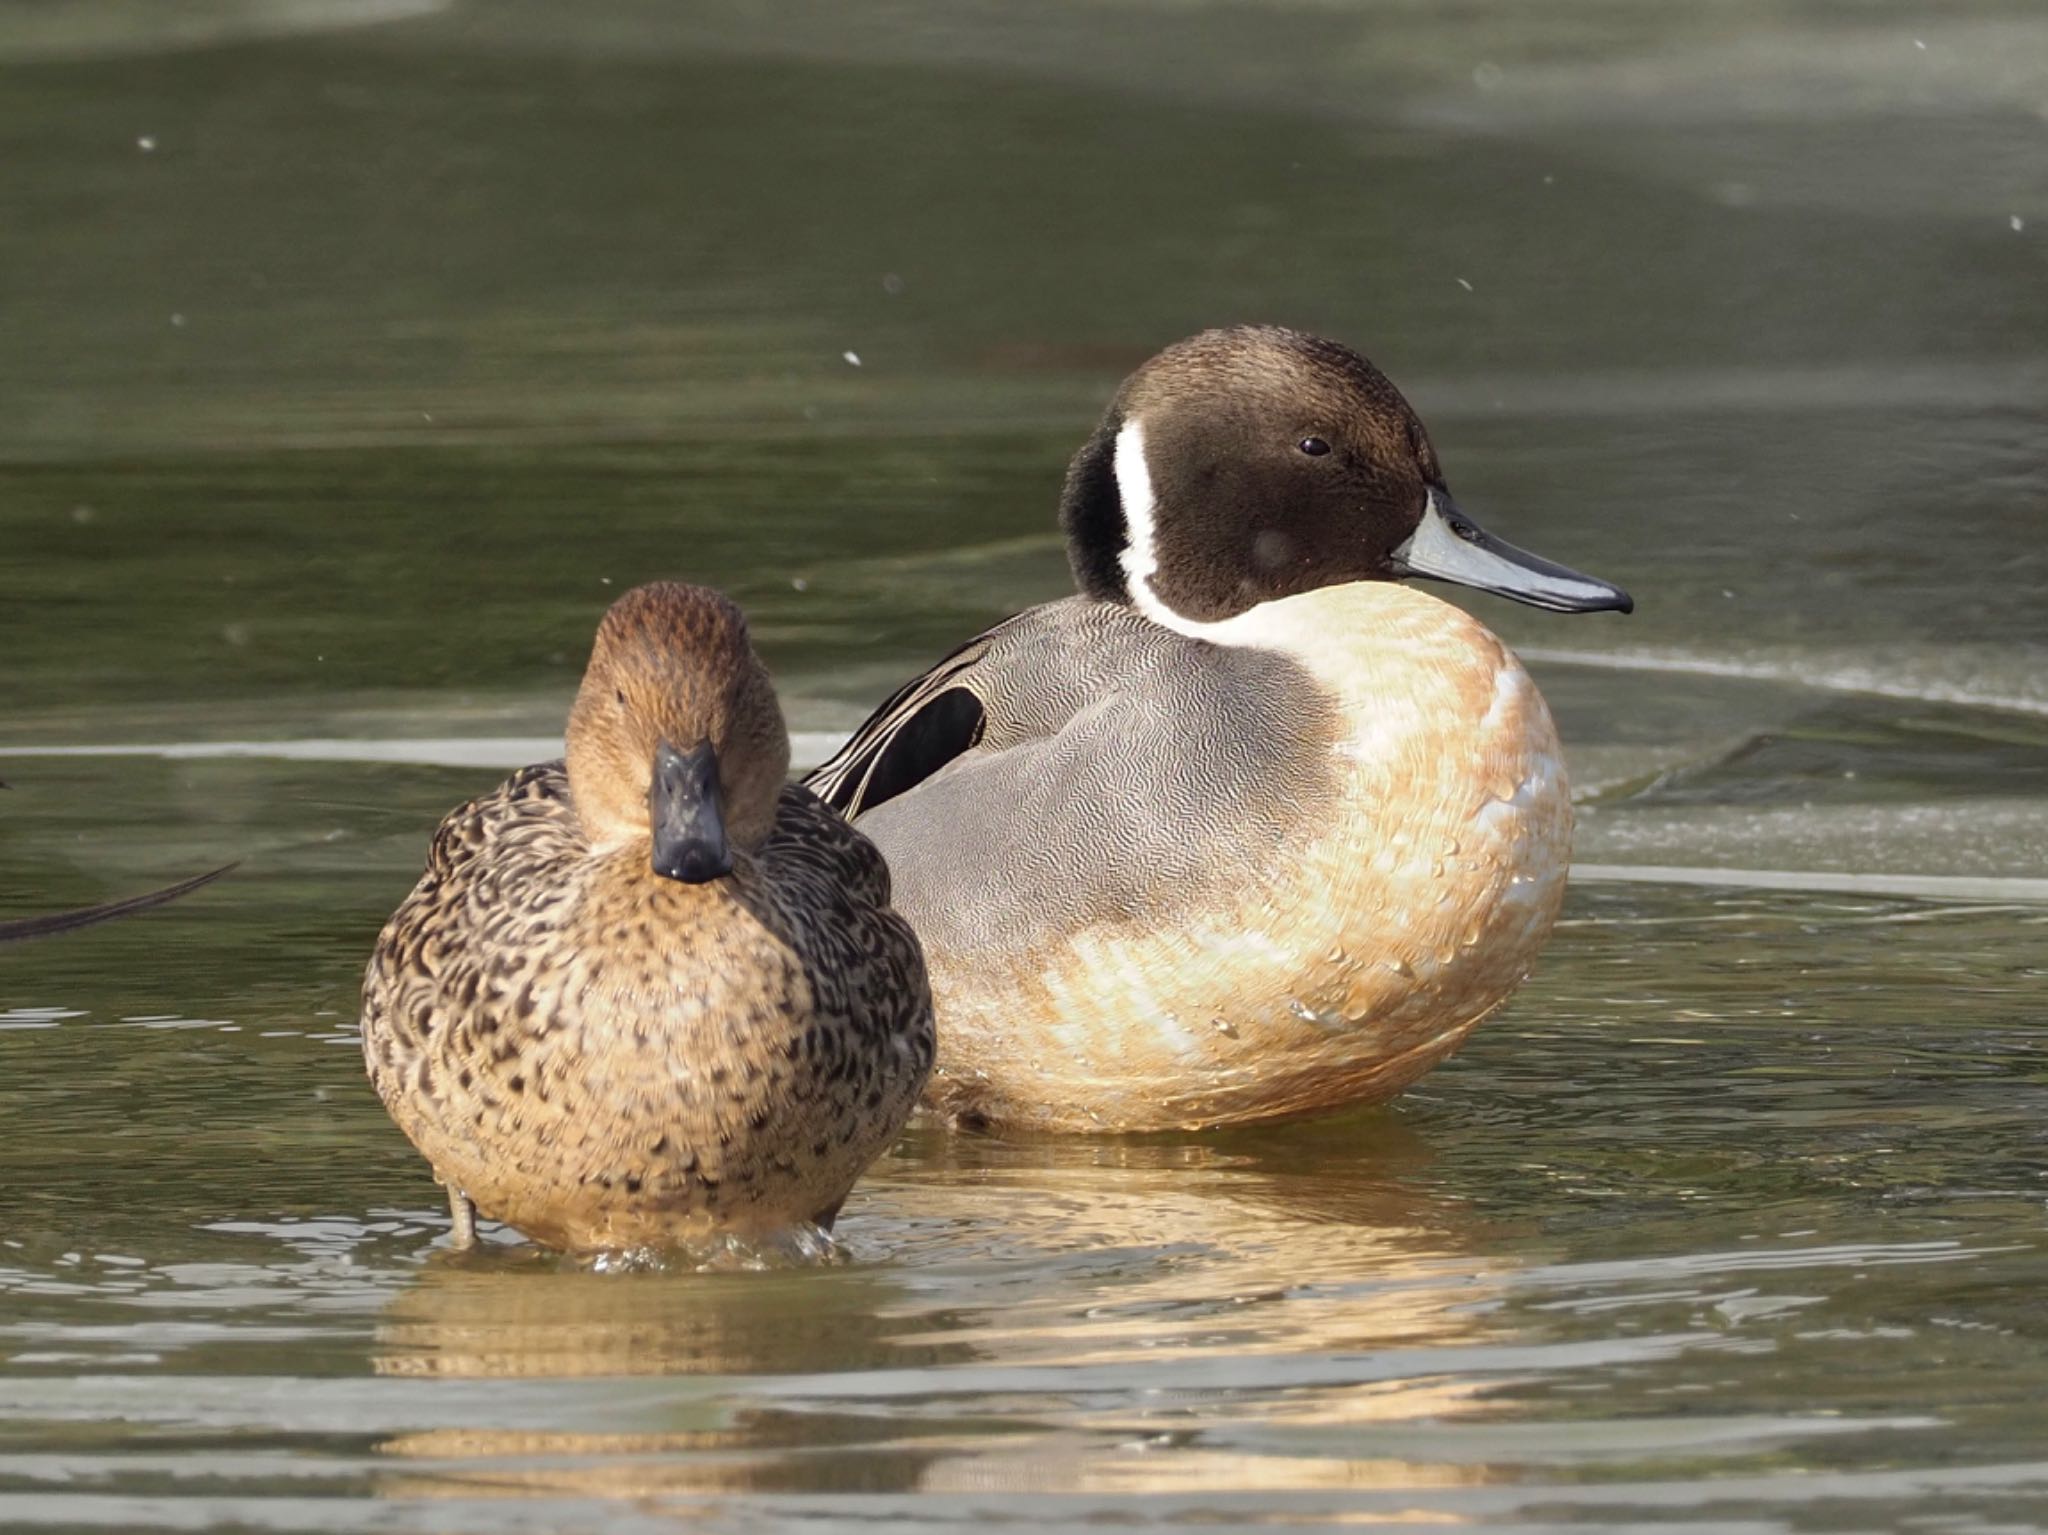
1022 682
501 873
1110 767
921 727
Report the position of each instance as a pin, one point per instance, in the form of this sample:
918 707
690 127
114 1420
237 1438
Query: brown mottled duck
653 991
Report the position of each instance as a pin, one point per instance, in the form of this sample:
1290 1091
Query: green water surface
355 353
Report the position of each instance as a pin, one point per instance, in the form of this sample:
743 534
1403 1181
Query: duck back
1126 774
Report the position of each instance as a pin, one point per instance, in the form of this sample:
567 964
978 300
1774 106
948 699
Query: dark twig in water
86 916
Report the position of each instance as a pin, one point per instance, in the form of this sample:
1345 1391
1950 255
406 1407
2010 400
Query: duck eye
1314 447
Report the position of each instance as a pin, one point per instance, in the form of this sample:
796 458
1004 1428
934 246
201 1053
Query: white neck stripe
1134 494
1140 558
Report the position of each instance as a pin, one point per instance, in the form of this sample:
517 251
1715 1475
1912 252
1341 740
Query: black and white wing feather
1021 684
925 724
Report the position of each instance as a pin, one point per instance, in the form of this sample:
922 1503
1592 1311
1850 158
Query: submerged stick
86 916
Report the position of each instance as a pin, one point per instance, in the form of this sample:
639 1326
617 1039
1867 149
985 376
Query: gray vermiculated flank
1124 770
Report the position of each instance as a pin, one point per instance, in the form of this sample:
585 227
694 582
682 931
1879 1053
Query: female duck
657 992
1245 830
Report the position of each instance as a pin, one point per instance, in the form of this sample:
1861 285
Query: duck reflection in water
1047 1274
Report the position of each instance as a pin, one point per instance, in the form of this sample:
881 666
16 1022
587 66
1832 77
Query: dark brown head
676 738
1254 463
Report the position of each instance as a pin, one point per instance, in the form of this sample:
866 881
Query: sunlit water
353 354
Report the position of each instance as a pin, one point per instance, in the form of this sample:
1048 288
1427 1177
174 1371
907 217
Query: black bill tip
686 811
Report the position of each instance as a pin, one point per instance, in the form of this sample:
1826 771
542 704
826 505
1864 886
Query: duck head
1254 463
676 740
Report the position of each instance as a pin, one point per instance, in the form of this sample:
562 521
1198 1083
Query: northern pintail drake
653 992
1245 830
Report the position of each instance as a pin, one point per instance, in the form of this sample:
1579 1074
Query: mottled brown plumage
604 1057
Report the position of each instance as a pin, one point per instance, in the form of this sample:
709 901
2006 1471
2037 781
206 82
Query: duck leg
463 1234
